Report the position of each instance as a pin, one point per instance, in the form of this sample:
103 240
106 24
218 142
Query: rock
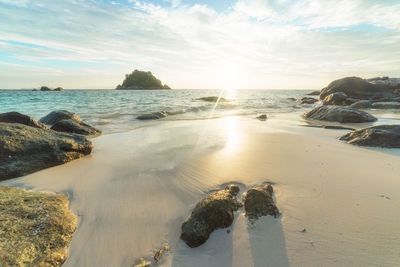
71 126
362 104
213 99
59 89
59 115
337 98
339 114
356 88
45 88
291 98
213 212
376 136
262 117
258 202
330 127
308 100
397 92
350 101
25 149
34 89
386 105
35 228
314 93
153 116
15 117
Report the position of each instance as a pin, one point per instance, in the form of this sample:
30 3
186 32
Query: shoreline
137 188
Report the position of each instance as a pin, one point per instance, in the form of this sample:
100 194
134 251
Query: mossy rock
35 228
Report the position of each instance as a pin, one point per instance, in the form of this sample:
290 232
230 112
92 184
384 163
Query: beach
338 202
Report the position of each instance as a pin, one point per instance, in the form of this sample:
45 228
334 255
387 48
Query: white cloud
265 43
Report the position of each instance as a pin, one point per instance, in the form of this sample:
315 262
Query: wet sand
133 193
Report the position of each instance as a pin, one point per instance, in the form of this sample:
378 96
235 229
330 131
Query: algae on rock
35 228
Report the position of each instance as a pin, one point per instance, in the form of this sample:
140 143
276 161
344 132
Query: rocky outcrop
338 98
314 93
213 212
71 126
356 88
339 114
386 105
213 99
15 117
25 149
59 115
45 88
259 202
362 104
35 228
59 89
377 136
308 100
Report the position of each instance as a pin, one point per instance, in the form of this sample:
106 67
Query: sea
116 110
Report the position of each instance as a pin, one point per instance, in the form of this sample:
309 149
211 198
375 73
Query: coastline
137 187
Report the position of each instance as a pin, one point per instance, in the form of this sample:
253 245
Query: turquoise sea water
116 111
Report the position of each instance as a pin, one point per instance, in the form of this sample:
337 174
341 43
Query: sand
133 193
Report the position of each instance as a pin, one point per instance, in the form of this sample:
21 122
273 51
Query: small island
141 80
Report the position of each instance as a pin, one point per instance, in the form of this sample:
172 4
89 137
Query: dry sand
132 195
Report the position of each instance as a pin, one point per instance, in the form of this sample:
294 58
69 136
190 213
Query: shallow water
116 111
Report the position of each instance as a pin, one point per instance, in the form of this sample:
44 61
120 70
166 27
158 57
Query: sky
260 44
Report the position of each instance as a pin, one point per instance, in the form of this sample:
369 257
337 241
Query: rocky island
141 80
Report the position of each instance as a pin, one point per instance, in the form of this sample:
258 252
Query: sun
229 76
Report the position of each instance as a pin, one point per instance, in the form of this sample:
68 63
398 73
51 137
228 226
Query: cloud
265 43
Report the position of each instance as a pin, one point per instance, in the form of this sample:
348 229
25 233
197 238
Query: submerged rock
337 98
213 99
262 117
213 212
356 88
259 202
59 115
308 100
15 117
376 136
71 126
362 104
153 116
35 228
339 114
25 149
386 105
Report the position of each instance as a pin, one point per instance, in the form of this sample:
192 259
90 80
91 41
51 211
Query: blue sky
197 44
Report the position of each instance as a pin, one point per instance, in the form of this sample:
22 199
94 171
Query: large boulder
59 89
25 149
386 105
356 88
71 126
338 98
308 100
377 136
213 212
15 117
339 114
35 228
259 202
362 104
59 115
